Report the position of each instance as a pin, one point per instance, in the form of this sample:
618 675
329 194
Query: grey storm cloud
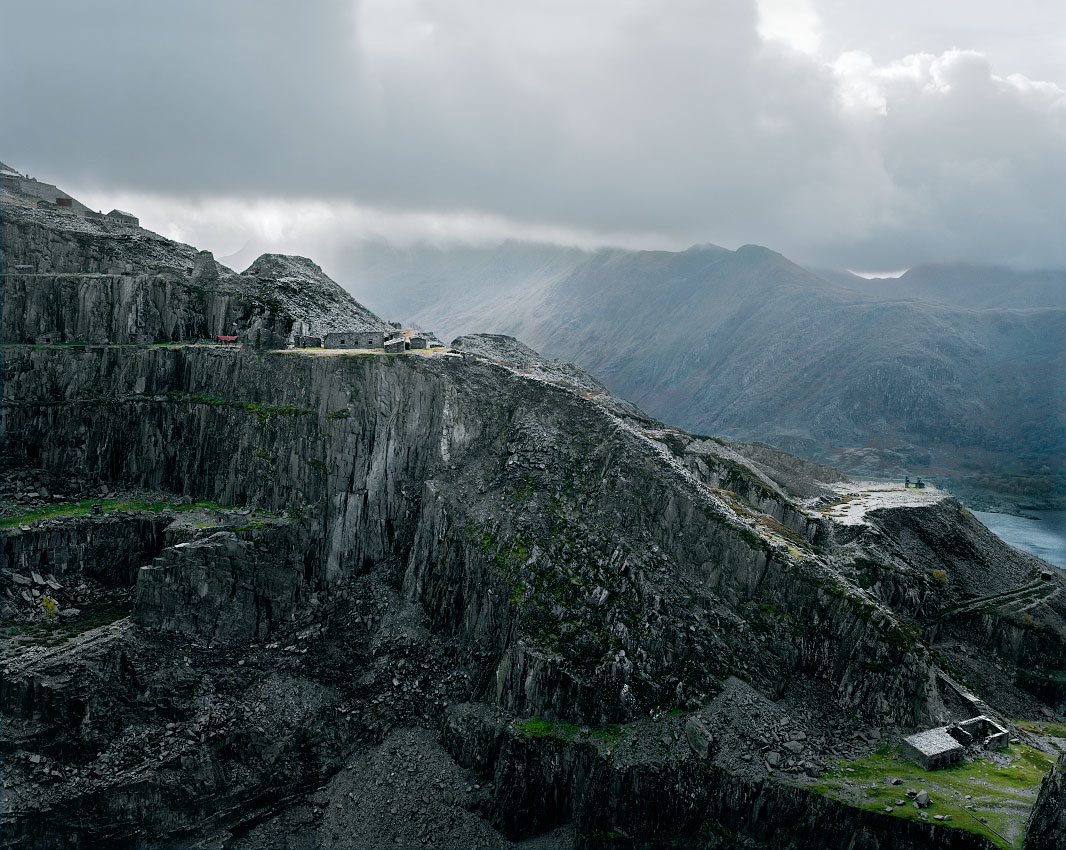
671 121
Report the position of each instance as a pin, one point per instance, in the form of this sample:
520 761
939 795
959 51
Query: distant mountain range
965 285
950 371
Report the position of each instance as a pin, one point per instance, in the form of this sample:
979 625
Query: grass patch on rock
536 727
85 508
58 630
1002 788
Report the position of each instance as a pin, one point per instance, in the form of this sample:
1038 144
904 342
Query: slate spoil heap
379 601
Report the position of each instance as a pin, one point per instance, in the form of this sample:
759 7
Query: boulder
699 737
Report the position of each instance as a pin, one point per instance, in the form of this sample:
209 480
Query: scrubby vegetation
261 410
535 727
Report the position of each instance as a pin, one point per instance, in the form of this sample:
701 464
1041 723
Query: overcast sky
847 133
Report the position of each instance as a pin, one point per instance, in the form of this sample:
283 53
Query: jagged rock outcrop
72 279
350 469
317 304
110 550
1046 829
223 587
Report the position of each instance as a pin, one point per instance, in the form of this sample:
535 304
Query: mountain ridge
728 342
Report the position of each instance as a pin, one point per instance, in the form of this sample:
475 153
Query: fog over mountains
951 371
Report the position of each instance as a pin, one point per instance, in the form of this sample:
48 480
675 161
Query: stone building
124 218
355 339
418 341
34 191
932 748
302 341
396 345
944 745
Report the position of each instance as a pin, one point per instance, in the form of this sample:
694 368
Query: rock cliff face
1047 824
70 279
581 609
483 565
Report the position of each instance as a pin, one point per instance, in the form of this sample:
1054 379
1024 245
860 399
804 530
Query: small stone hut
944 745
396 345
123 217
418 341
932 748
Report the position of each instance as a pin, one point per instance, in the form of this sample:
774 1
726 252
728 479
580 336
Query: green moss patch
55 631
535 727
84 508
263 411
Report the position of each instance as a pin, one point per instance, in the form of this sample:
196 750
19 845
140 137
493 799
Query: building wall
124 219
929 761
355 339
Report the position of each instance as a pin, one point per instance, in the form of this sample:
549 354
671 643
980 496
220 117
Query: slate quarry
391 600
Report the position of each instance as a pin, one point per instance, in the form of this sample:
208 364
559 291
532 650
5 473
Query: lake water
1044 537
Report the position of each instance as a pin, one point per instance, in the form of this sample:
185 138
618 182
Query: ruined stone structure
42 194
982 731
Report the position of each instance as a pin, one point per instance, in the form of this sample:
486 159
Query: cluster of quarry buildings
394 342
47 196
27 191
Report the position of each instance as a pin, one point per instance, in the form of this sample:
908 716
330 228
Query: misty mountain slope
457 281
748 345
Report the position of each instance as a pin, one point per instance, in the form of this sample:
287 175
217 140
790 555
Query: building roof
228 338
122 212
933 742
